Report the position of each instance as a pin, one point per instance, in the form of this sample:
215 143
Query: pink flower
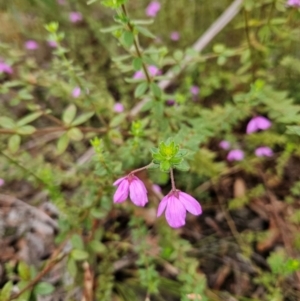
235 155
294 3
263 151
224 144
52 44
1 182
134 187
258 123
153 71
170 102
153 8
31 45
61 2
175 36
176 204
118 107
76 92
75 16
5 68
156 188
195 90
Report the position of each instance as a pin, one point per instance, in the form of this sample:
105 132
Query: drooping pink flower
75 16
293 3
76 92
132 186
263 151
52 44
153 71
235 155
176 204
224 144
1 182
118 107
5 68
31 45
258 123
174 36
153 8
156 188
195 90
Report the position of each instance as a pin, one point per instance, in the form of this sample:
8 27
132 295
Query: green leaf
137 63
142 22
155 90
293 129
62 143
6 291
82 118
144 31
165 166
98 247
79 255
14 143
43 288
117 120
72 267
77 242
111 28
23 271
176 160
29 118
147 106
69 114
127 38
183 166
26 130
75 134
140 89
7 123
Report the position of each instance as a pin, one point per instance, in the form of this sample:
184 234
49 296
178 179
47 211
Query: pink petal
175 212
263 123
138 193
251 127
224 144
162 206
235 155
116 183
190 204
121 193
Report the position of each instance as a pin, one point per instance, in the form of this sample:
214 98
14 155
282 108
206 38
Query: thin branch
199 45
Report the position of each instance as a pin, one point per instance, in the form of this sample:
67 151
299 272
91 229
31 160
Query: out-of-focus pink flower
31 45
153 71
61 2
224 144
195 90
132 186
153 8
5 68
235 155
175 36
156 188
76 92
258 123
170 102
294 3
1 182
75 16
263 151
52 44
118 107
176 204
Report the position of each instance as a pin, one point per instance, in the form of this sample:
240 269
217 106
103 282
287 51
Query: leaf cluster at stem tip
169 155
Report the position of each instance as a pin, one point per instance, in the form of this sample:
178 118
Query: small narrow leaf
26 130
62 143
155 90
82 118
144 31
14 143
79 255
43 288
127 38
137 63
69 114
7 123
140 89
75 134
29 118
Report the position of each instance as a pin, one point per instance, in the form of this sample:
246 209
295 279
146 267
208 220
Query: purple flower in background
5 68
156 188
170 102
224 144
195 90
76 92
52 44
258 123
1 182
75 16
132 186
175 36
176 204
294 3
153 71
153 8
235 155
31 45
118 107
263 151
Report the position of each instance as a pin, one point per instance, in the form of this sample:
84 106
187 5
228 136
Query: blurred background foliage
61 152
